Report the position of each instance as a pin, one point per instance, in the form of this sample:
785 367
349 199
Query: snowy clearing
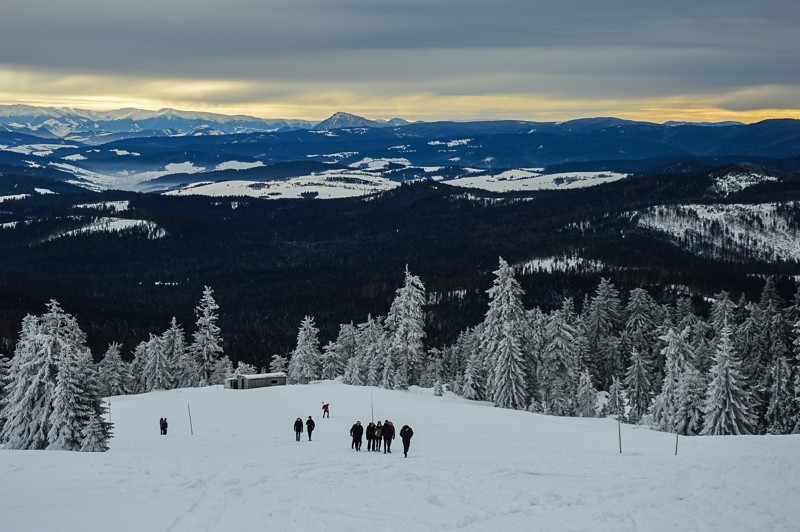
114 225
116 206
237 165
14 197
733 182
529 179
563 263
326 185
470 467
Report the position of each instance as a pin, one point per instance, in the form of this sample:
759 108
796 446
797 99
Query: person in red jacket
326 410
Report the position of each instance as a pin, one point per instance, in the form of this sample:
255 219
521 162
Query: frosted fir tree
305 363
138 384
638 385
5 385
157 371
723 312
504 331
28 403
586 397
243 368
476 376
223 369
71 410
112 372
642 319
603 322
676 352
207 342
727 407
781 409
690 401
405 325
616 399
183 366
438 389
330 362
279 364
353 372
372 355
559 370
346 343
95 436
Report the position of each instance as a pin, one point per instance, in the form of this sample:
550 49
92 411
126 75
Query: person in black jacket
298 428
309 427
387 432
405 435
370 433
356 431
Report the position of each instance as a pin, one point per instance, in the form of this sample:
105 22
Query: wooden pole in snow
676 443
191 429
619 433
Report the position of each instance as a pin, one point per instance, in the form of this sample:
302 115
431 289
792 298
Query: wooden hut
260 380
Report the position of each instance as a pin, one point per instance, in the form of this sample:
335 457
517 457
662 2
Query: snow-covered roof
264 375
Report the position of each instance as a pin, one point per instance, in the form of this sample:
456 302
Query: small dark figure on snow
405 434
163 423
310 427
326 410
356 431
376 441
387 432
298 428
369 432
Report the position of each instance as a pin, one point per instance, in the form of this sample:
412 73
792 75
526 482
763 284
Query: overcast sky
434 59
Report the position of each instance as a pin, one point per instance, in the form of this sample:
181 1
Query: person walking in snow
161 425
405 434
326 410
310 427
376 441
298 428
370 433
388 435
356 431
164 426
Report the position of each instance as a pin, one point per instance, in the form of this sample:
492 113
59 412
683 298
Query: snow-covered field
471 467
530 179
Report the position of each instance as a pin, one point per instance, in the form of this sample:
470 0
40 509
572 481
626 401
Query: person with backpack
310 427
326 410
298 428
356 431
387 432
405 434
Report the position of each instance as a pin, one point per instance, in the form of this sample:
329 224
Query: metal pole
676 444
109 410
191 429
619 433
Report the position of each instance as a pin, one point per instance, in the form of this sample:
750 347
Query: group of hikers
163 424
375 433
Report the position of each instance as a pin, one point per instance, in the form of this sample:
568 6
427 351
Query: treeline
737 372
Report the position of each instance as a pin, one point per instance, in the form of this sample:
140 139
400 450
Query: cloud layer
461 59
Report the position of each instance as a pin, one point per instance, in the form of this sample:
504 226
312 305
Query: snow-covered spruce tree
781 409
5 381
54 392
665 406
157 372
616 399
223 369
183 366
603 322
727 408
279 364
305 363
71 411
28 404
138 384
502 340
405 325
330 362
560 367
371 355
642 318
207 342
690 402
346 343
112 372
243 368
638 386
586 397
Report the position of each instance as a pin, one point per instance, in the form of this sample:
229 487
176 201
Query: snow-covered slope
532 179
767 231
471 467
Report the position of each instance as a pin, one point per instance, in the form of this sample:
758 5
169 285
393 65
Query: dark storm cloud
578 48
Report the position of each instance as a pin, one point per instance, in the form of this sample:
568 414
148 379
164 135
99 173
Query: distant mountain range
169 151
